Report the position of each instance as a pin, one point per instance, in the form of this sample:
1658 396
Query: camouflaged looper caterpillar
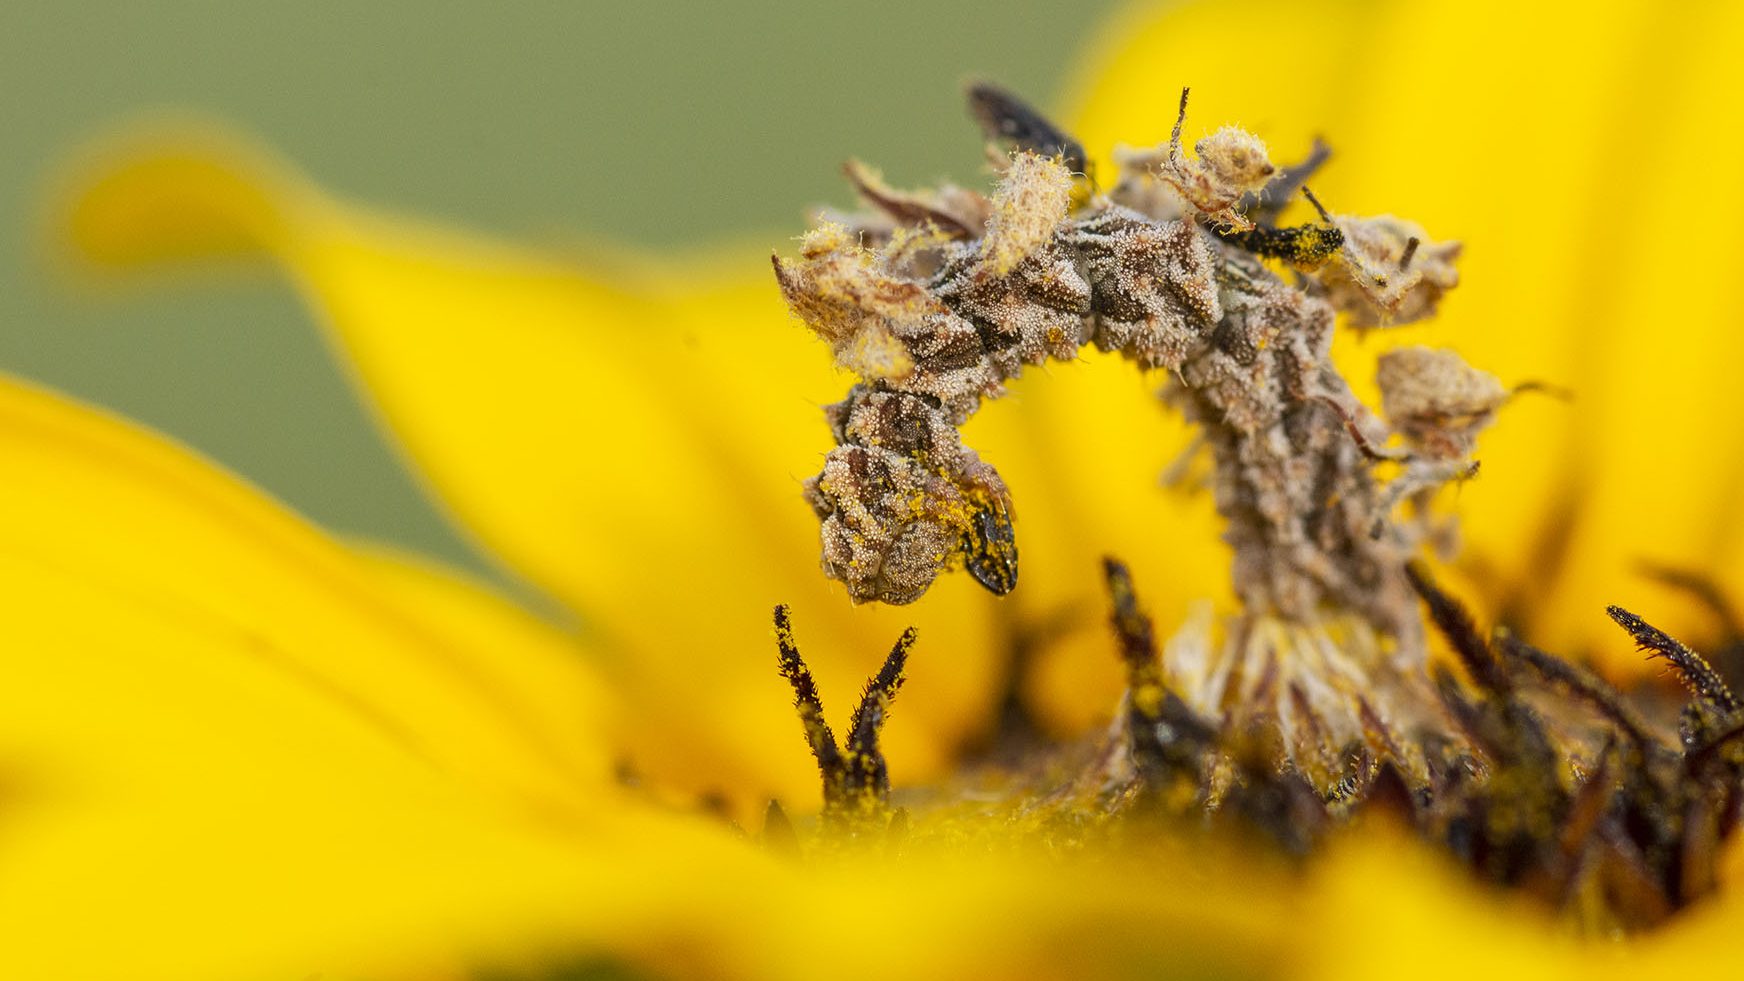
935 298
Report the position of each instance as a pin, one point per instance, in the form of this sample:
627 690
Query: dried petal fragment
1232 166
1436 401
1392 274
1032 201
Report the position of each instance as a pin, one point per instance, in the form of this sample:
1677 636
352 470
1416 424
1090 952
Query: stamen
805 697
856 781
1703 681
1456 625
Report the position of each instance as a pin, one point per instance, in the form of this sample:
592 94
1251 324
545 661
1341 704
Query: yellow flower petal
540 676
227 749
89 496
1410 906
609 428
1274 67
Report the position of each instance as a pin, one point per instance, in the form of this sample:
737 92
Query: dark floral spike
1727 654
1138 645
866 767
856 781
1456 625
1700 676
1165 740
805 697
1144 668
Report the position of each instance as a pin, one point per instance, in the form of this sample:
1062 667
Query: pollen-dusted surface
934 323
1031 203
1166 272
900 497
1394 275
856 782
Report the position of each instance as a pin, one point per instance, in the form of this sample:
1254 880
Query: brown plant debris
1163 271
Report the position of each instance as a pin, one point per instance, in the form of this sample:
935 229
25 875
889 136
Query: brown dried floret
953 212
1438 404
854 303
1231 165
1437 401
901 500
1392 273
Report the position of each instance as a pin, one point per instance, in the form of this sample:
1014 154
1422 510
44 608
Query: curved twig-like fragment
1175 281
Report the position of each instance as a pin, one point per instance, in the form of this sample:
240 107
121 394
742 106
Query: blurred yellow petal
607 427
1413 907
539 675
89 495
1660 445
1550 160
1278 68
227 748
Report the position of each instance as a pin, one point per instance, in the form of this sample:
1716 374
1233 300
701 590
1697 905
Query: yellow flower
233 747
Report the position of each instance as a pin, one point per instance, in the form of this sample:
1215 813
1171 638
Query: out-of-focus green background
657 124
